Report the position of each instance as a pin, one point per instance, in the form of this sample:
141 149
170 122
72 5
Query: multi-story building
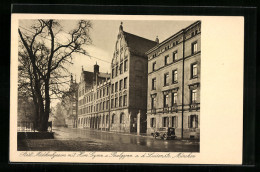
174 83
70 103
114 104
129 82
91 98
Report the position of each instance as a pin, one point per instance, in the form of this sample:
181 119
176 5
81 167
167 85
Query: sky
104 33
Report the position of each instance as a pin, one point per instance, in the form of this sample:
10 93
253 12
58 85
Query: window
97 94
100 106
125 100
100 93
166 79
154 84
174 121
193 96
112 103
107 105
122 118
116 87
121 68
125 83
154 65
113 118
113 73
165 121
97 107
153 102
112 89
120 84
116 102
153 124
120 101
175 55
194 48
194 70
104 105
174 76
126 65
107 90
107 117
174 99
165 100
104 92
193 121
166 60
116 71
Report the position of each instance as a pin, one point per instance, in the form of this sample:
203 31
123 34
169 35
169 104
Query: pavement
68 139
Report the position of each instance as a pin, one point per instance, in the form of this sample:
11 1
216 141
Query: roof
173 36
103 75
138 45
88 77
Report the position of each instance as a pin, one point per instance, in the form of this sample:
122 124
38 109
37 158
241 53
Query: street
68 139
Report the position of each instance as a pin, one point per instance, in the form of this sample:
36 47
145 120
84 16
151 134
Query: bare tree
43 56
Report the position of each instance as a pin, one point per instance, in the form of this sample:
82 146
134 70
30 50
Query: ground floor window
153 124
113 118
122 118
165 121
174 121
193 121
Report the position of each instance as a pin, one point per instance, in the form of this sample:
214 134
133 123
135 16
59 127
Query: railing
26 126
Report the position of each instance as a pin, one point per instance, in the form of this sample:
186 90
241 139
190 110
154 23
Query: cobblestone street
67 139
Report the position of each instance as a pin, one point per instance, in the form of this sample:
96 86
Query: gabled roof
88 77
103 75
138 45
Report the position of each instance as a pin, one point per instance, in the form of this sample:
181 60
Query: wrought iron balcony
194 106
174 108
153 111
166 110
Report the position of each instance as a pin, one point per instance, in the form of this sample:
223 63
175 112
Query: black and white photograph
87 85
111 88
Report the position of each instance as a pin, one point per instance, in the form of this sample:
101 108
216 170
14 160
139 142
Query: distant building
70 103
174 83
90 97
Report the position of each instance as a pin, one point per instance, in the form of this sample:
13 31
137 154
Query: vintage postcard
126 89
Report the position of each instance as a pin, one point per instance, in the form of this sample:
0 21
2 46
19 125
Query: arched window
113 118
107 119
122 118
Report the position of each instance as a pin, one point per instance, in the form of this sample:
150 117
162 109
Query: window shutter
189 122
196 121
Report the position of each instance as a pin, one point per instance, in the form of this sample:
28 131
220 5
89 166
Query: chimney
157 40
96 71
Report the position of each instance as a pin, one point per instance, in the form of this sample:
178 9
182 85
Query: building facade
118 101
173 98
92 101
70 104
